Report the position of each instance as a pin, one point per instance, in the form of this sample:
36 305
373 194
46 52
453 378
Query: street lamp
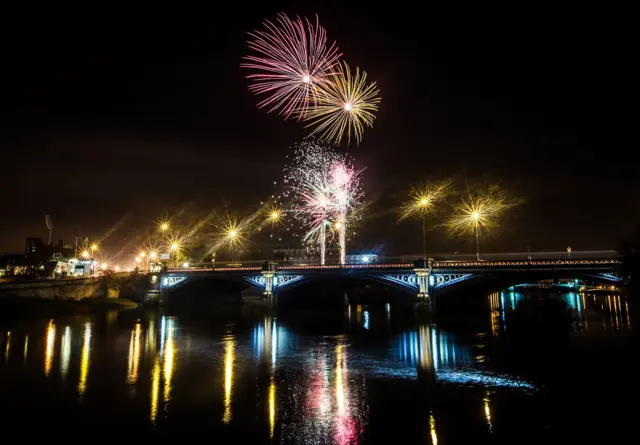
476 216
175 247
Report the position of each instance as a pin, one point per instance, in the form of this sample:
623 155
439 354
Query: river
365 376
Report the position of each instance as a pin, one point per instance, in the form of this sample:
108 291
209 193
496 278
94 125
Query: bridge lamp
86 254
475 216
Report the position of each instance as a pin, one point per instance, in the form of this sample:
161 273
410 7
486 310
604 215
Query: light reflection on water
308 388
592 311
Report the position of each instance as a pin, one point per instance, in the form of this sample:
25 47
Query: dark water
370 377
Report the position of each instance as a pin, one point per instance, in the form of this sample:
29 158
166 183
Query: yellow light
155 390
229 357
275 215
424 202
117 268
94 247
272 406
164 226
104 266
233 233
338 224
143 254
153 255
475 215
175 246
86 254
48 353
134 354
84 360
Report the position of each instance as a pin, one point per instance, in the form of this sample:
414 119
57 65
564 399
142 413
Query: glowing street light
94 247
423 201
85 254
480 210
104 266
175 247
153 255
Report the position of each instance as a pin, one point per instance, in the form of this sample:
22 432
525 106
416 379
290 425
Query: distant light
117 268
185 265
366 259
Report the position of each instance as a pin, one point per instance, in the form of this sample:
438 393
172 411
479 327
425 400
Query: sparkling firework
321 188
345 104
292 62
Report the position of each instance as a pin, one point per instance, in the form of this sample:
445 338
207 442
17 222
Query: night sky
110 119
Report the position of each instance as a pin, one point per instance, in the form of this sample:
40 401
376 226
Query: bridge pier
422 269
269 274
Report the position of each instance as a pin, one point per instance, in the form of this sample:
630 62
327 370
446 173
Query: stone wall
70 289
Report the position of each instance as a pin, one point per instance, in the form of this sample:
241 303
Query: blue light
365 259
366 320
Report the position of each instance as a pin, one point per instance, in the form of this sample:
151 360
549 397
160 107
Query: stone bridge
422 279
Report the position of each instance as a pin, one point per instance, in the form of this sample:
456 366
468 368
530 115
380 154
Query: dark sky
115 117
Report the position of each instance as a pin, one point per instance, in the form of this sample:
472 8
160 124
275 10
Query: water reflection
134 354
155 389
487 410
611 311
48 352
229 357
85 359
169 358
432 429
7 347
65 351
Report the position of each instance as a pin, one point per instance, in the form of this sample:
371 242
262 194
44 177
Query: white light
347 106
365 259
185 265
306 79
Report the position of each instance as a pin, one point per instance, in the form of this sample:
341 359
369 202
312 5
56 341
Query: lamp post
175 247
476 215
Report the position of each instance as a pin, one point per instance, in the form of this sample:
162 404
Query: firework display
344 106
292 60
303 78
323 194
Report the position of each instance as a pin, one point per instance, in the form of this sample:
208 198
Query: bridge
423 279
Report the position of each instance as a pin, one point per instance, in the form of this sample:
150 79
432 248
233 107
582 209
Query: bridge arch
495 282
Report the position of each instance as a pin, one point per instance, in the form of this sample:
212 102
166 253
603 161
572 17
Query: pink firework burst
292 59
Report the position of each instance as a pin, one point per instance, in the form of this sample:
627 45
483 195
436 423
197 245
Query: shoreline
13 308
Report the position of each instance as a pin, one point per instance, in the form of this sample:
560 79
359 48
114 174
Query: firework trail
346 194
323 191
292 60
344 105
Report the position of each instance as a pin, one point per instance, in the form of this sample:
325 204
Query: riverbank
11 308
